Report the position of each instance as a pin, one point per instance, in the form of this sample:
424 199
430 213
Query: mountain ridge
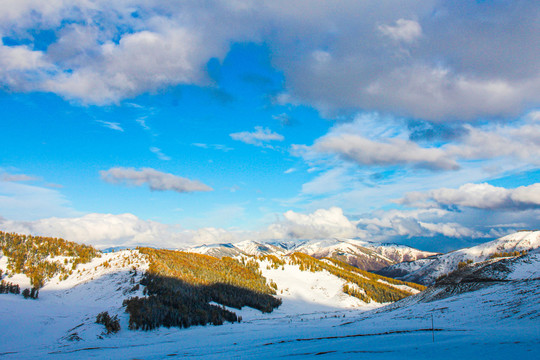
427 270
362 254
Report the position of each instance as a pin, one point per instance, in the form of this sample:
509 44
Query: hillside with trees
183 289
361 284
41 258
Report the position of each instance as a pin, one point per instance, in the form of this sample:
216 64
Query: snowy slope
67 309
427 270
64 314
498 320
305 291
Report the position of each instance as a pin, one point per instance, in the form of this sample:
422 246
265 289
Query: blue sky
136 122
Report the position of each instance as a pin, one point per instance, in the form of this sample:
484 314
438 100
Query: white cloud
480 196
322 223
521 141
367 143
384 225
159 153
102 230
18 58
19 65
403 226
142 122
439 93
17 177
259 137
489 71
403 30
111 125
392 152
141 61
106 230
156 180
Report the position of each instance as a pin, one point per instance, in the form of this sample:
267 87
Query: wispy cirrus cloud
142 122
111 125
290 170
21 200
156 180
219 147
159 153
18 177
260 137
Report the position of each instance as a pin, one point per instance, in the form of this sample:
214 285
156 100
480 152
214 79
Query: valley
490 306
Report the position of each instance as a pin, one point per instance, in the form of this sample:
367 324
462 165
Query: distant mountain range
361 254
426 271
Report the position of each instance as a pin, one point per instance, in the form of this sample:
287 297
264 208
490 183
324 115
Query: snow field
499 320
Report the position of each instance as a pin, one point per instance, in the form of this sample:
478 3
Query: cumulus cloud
156 180
20 65
411 227
107 230
110 230
322 223
139 46
141 61
102 230
259 137
443 77
18 58
480 196
435 72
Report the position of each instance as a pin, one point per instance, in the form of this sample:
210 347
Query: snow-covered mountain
216 250
362 254
426 271
490 308
183 289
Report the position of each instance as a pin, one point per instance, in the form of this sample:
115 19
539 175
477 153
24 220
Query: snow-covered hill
499 319
65 312
426 271
362 254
